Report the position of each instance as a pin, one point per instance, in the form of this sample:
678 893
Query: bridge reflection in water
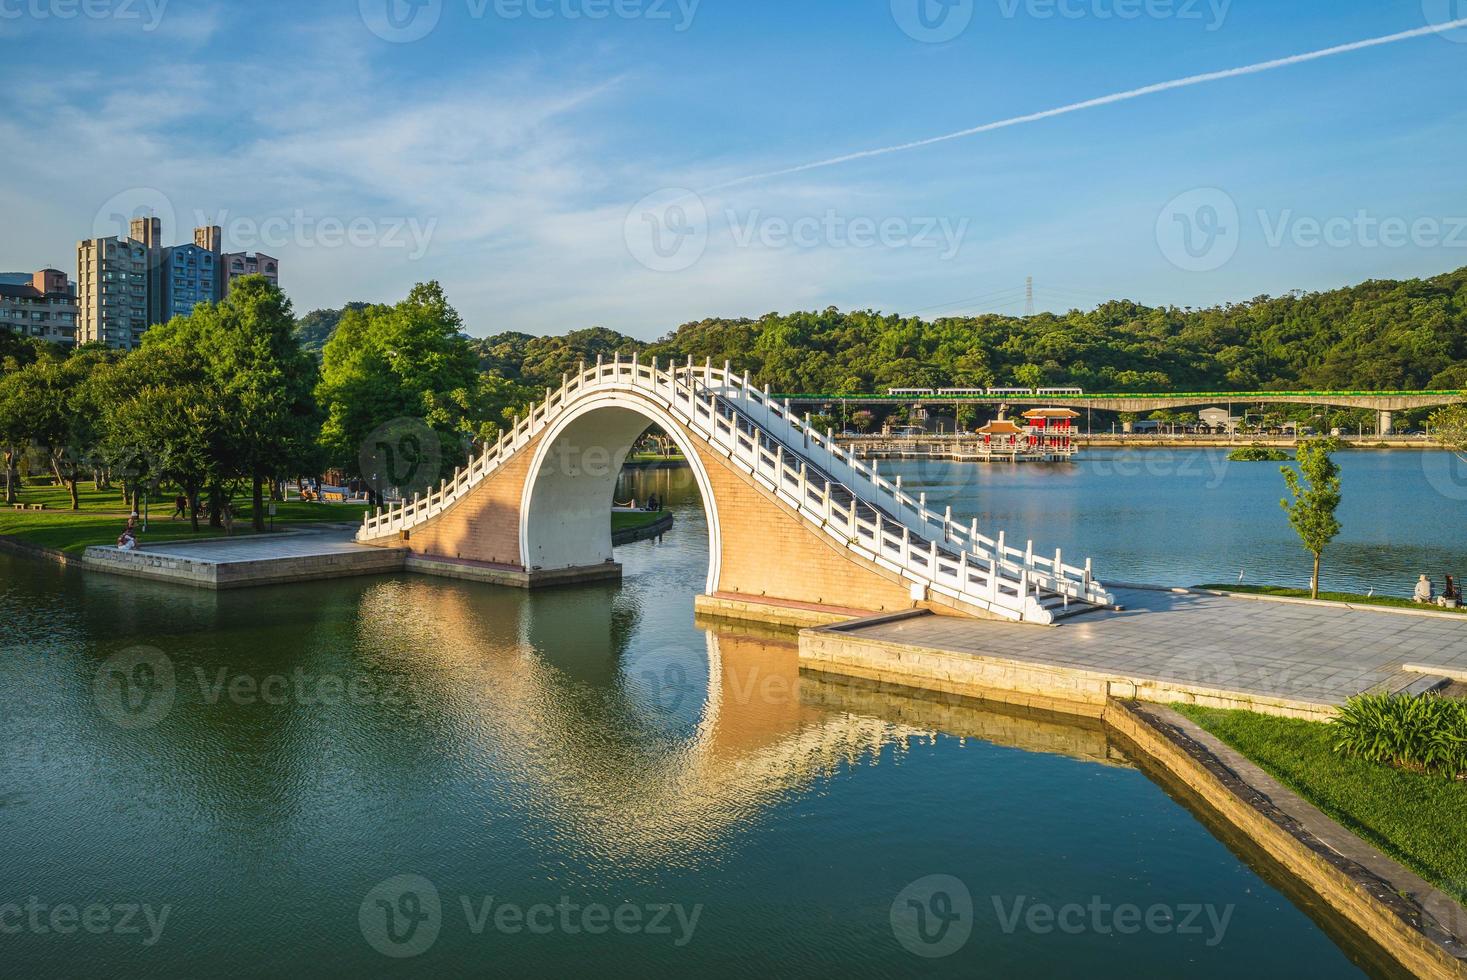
713 738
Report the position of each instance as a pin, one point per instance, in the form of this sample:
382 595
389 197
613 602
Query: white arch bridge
796 525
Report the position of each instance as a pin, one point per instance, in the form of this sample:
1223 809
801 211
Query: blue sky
567 163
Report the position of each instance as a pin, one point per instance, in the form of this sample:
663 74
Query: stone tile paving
328 541
1306 652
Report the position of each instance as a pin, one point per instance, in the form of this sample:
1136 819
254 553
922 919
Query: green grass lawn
1359 600
1417 819
103 515
655 458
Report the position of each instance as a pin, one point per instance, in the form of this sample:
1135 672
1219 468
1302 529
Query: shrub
1257 454
1425 733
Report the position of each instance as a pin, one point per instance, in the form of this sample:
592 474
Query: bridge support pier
1386 424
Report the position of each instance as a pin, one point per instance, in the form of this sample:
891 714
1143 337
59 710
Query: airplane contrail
1135 93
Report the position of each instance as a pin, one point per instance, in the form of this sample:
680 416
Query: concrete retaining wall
840 649
1415 923
161 567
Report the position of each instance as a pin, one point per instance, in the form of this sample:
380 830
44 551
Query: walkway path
305 542
1309 653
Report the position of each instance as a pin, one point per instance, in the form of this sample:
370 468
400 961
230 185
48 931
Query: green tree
408 361
264 381
1315 489
1449 428
40 407
17 353
162 410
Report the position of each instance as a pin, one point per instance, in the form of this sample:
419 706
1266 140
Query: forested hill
1377 335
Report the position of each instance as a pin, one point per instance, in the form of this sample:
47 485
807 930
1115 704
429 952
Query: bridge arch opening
565 513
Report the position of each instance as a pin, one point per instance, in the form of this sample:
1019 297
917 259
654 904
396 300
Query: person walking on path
180 507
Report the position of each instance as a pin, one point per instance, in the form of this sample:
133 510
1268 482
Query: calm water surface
589 747
1188 516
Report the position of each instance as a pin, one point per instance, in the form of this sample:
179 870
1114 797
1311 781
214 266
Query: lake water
1186 517
408 775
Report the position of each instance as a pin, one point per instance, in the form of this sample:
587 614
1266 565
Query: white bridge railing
846 498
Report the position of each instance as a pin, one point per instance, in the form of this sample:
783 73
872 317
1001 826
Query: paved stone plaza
303 544
1297 651
327 551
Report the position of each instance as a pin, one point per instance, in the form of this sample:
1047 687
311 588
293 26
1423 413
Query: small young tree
1449 429
1316 492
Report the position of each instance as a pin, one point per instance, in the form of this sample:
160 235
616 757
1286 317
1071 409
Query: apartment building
190 277
112 301
125 285
237 264
39 304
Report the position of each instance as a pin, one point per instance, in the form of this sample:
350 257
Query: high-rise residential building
40 304
112 292
210 238
238 264
149 231
125 285
190 277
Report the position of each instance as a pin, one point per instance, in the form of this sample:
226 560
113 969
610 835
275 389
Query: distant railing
1237 396
846 498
